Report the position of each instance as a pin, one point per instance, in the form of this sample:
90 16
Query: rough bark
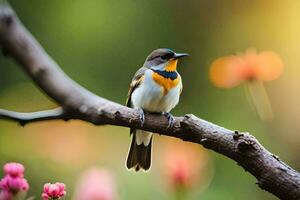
271 173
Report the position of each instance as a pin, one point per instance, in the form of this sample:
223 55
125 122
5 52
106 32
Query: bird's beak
180 55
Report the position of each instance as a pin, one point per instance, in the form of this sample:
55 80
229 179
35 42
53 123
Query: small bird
155 88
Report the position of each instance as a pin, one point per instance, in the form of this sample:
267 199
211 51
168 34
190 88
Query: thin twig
24 118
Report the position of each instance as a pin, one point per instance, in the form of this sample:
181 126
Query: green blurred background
101 43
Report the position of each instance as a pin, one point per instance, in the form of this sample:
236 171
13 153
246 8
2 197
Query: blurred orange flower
252 68
230 71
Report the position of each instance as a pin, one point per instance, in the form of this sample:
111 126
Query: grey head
158 58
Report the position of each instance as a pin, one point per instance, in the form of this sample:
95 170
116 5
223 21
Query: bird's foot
170 118
141 116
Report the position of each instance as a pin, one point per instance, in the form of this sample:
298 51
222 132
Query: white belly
149 96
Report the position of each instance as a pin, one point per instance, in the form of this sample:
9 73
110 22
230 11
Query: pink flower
53 191
96 184
184 166
5 195
180 175
14 184
14 169
179 170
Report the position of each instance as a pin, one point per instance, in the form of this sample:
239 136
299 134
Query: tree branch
272 174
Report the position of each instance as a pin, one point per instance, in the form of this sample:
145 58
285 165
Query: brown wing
136 81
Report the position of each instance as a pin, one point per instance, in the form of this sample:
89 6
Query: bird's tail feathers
139 155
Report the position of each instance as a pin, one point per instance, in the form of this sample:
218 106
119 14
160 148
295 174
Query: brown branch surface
76 102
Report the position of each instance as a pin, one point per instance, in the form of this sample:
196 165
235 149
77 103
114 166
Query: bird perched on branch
155 88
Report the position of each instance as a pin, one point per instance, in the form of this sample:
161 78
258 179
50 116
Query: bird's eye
164 57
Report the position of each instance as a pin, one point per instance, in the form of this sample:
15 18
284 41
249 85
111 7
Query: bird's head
163 60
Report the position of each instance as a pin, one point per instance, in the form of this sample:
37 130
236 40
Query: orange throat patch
164 82
172 66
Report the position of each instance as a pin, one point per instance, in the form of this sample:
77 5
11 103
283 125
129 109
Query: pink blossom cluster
53 191
13 181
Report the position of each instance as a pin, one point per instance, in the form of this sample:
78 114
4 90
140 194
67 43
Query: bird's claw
141 116
170 118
